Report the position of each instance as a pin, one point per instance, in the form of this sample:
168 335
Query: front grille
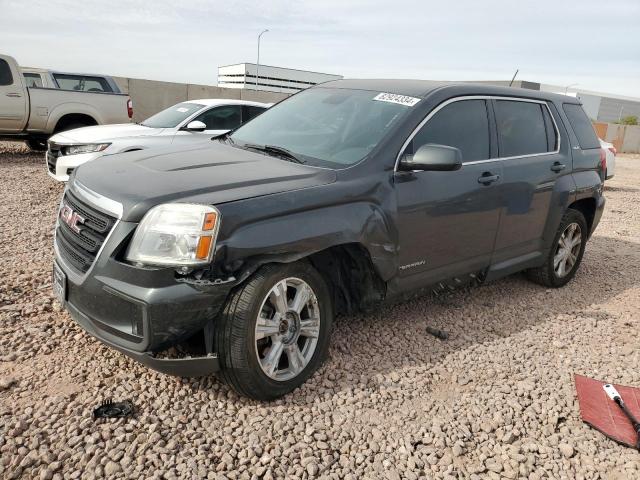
80 249
53 152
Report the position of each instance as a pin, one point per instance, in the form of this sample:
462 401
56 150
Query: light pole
566 89
258 62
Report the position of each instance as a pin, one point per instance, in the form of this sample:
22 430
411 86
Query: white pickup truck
34 114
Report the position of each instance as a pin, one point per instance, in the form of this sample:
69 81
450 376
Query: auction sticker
394 98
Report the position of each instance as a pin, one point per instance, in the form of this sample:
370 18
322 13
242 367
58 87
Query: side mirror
434 157
195 126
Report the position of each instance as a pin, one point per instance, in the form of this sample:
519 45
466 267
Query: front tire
273 332
566 252
37 144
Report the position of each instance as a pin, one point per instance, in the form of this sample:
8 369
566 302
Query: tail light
130 108
613 150
603 162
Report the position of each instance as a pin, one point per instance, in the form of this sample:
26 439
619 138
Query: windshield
172 116
329 127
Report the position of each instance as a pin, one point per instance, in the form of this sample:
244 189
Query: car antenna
514 77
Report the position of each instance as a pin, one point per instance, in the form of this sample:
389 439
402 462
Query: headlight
88 148
176 234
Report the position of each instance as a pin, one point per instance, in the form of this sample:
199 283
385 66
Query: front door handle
13 94
488 178
558 167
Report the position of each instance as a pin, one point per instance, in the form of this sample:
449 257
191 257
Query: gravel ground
495 400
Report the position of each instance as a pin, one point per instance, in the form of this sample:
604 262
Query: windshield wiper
275 150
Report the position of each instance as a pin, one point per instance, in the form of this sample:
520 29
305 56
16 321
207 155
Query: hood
213 174
101 133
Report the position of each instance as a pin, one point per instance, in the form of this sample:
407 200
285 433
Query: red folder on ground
603 414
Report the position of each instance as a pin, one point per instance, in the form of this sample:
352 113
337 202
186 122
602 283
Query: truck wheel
566 254
273 332
37 145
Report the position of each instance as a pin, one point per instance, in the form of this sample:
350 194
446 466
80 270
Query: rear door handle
13 94
488 178
558 167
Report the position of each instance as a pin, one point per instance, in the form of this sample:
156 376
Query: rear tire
274 330
566 253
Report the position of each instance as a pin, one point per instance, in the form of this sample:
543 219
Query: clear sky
594 43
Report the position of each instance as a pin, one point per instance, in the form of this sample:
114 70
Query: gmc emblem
71 218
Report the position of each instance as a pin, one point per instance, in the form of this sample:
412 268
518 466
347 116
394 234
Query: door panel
530 180
13 97
447 221
528 189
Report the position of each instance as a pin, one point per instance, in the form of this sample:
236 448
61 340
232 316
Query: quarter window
5 73
221 118
463 124
522 129
581 126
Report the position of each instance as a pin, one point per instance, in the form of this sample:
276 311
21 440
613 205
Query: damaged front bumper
181 367
146 317
140 311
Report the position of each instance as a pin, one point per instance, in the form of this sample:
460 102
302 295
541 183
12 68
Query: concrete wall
626 138
631 139
151 96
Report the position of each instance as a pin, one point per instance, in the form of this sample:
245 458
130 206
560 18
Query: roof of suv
422 88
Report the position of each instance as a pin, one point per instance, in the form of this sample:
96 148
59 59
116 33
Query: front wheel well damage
353 282
351 276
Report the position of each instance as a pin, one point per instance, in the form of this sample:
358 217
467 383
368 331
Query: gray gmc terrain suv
239 253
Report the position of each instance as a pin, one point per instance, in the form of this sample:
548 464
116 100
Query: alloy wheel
287 329
567 250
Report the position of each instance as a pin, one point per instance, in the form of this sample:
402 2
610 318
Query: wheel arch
72 118
351 276
348 270
586 206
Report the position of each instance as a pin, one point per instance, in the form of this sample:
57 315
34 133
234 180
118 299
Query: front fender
294 235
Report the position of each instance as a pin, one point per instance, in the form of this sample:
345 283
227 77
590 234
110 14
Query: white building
266 77
600 107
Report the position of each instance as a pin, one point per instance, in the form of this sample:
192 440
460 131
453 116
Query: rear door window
5 73
81 83
581 126
522 128
463 124
221 118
